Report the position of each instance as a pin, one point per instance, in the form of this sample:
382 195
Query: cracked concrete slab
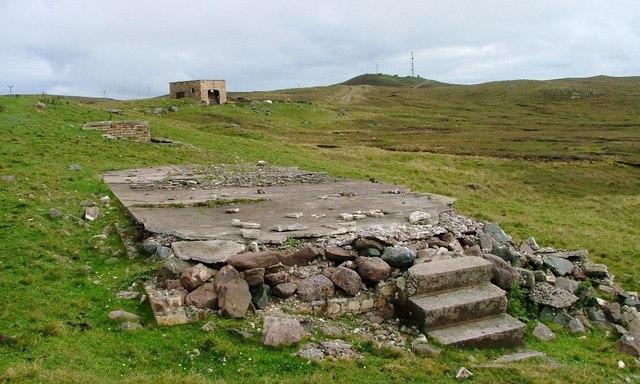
195 203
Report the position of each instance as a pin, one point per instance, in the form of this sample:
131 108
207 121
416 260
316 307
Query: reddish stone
301 257
250 260
338 254
373 269
193 277
203 297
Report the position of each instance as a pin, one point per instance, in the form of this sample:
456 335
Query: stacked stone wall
124 130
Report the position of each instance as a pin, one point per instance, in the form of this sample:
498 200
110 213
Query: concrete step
487 332
447 274
460 305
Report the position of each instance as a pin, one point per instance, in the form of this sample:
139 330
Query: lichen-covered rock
547 294
234 298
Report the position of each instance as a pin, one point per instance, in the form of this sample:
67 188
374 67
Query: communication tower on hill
413 72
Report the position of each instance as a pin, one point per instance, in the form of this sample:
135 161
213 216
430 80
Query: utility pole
104 93
413 72
10 89
377 68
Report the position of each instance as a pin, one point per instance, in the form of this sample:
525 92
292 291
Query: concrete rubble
327 247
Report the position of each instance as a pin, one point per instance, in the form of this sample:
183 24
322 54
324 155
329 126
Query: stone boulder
193 277
338 255
284 290
204 296
301 257
559 266
317 287
254 277
250 260
502 273
373 269
400 257
363 243
344 278
278 331
234 298
547 294
629 344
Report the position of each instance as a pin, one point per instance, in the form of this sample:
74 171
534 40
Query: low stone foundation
124 130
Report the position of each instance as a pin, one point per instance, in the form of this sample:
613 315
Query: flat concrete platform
195 203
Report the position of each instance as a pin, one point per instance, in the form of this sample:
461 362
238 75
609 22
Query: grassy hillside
557 160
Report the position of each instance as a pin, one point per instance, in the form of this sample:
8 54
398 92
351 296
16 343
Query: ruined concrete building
204 91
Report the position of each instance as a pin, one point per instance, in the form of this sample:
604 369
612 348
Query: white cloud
127 46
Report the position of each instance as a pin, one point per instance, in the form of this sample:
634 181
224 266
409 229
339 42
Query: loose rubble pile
363 272
362 269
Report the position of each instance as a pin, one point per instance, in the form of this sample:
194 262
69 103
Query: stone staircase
454 302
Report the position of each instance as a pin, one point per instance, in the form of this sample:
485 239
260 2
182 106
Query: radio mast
413 72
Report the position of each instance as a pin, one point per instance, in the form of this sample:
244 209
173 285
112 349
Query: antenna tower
413 72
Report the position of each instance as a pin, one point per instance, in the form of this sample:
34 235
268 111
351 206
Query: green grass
556 168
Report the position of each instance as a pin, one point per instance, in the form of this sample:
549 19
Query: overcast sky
134 48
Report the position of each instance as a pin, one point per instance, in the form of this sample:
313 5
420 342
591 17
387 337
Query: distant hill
383 80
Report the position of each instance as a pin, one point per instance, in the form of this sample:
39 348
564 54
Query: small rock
400 257
542 332
338 254
559 265
254 277
294 215
250 234
150 245
193 277
204 296
250 260
232 210
260 296
497 233
281 331
289 228
210 326
373 269
317 287
91 213
346 279
129 326
546 294
301 257
120 315
364 243
502 273
54 213
419 217
463 373
424 349
276 278
284 290
74 167
629 344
